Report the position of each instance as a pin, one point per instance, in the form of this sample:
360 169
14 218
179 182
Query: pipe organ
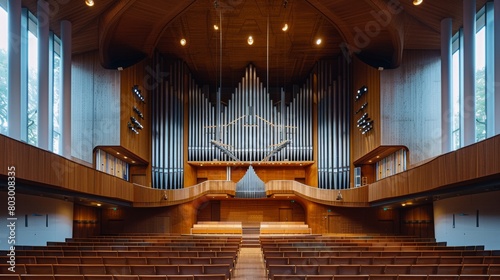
333 125
167 160
251 127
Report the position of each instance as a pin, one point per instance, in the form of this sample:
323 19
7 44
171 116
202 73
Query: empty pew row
150 251
387 277
229 260
448 269
217 228
82 269
326 252
146 243
284 228
350 238
384 260
131 248
312 247
110 277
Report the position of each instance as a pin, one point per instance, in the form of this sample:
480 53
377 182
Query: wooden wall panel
474 162
266 174
364 75
487 153
410 102
324 219
39 166
417 221
251 211
139 144
174 219
86 221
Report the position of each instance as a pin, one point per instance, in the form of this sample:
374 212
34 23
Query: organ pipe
333 125
251 126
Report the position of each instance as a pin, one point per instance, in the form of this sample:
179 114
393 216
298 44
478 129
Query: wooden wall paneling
417 220
139 144
212 172
467 162
16 154
487 157
368 171
399 184
86 221
446 173
447 169
364 75
251 211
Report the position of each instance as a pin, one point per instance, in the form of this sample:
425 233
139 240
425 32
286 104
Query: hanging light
285 27
318 41
89 3
183 42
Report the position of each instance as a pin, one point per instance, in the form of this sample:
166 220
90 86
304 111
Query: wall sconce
364 123
361 108
362 90
139 113
136 123
367 127
138 94
132 128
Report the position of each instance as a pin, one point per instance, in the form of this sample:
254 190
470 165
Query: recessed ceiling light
183 42
216 27
89 3
98 204
417 2
250 40
318 41
285 27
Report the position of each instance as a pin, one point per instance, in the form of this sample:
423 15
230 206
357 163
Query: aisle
250 265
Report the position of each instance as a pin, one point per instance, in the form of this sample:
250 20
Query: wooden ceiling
378 31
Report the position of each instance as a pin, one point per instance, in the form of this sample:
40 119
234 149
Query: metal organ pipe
251 125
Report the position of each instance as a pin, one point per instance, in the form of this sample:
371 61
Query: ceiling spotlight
183 42
216 27
89 3
417 2
285 27
250 40
318 41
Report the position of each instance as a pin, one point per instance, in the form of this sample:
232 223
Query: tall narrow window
456 100
56 96
480 96
32 80
4 68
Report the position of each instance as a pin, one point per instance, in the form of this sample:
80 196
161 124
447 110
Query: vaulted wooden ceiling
378 31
